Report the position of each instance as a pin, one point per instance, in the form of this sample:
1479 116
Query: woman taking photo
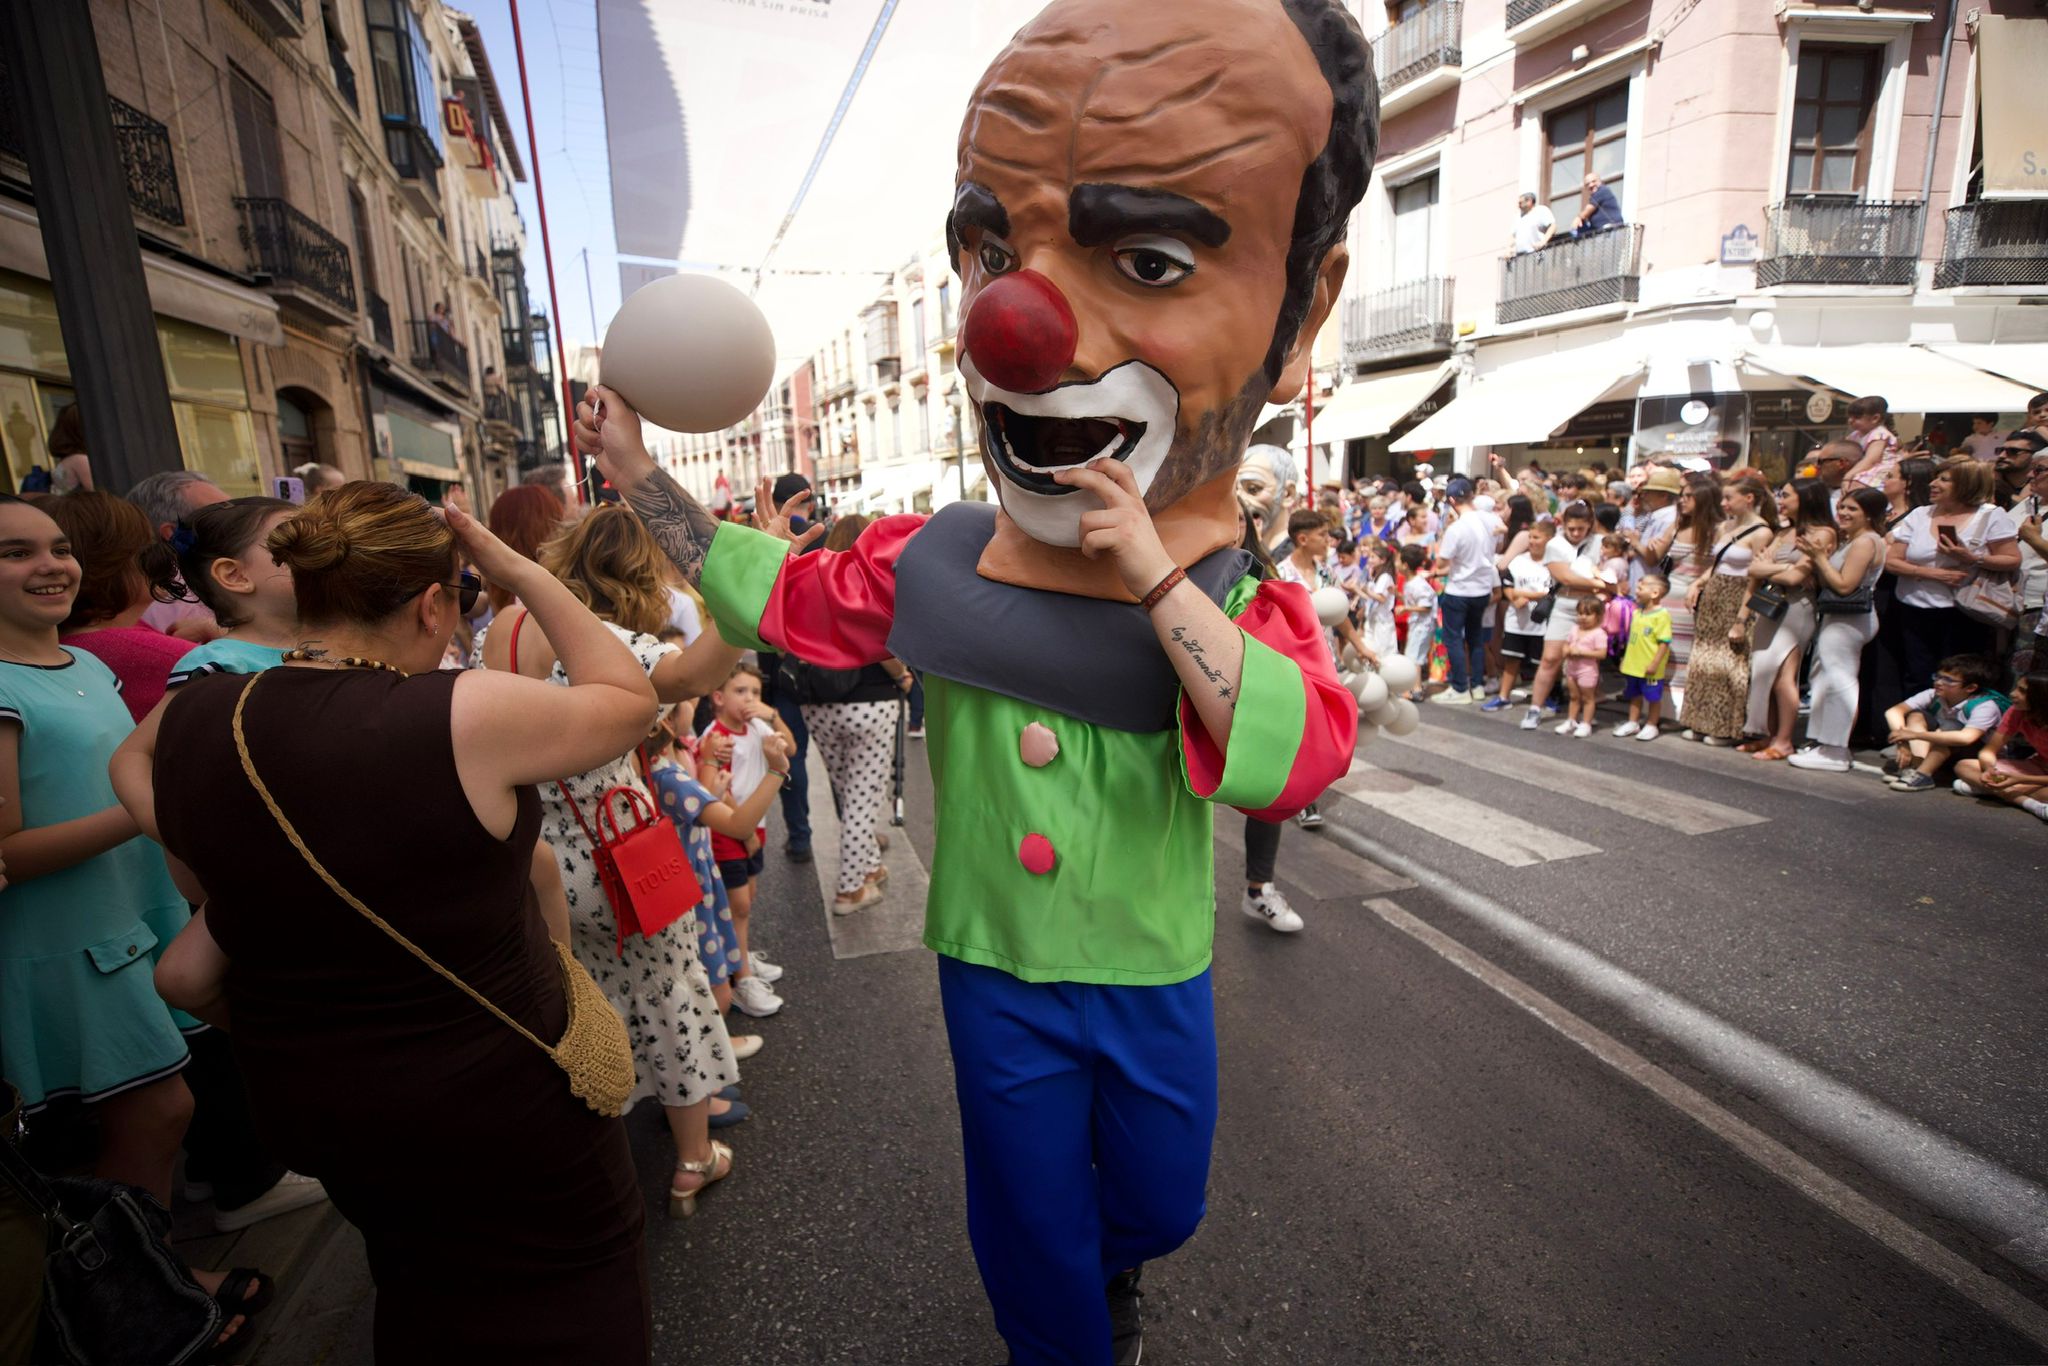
1779 644
1846 575
1935 550
501 1213
1717 679
657 982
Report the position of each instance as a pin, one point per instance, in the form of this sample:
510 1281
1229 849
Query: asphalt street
1413 1163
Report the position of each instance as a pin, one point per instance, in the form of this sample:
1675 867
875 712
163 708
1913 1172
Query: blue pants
1465 639
796 791
1087 1114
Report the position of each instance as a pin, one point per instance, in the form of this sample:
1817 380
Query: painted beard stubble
1215 447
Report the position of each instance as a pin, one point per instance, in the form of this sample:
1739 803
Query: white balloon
1331 605
689 353
1385 712
1406 718
1372 691
1400 673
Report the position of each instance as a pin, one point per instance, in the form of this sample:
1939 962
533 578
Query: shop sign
1741 247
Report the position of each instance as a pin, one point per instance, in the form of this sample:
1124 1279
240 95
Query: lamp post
955 400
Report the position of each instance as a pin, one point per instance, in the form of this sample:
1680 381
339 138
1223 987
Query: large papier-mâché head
1148 219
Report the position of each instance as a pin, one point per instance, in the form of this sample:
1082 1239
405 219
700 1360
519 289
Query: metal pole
1948 38
1309 429
548 256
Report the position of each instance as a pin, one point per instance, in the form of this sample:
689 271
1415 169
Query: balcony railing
380 320
1536 21
518 347
292 249
1994 242
1817 241
1573 272
344 74
1405 320
1415 47
440 355
152 172
1522 11
497 406
418 164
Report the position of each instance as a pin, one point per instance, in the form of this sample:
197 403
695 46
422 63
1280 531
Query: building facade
1819 199
322 193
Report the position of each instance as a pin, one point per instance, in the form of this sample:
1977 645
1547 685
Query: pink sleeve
836 608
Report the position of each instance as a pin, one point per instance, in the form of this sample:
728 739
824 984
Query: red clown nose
1020 333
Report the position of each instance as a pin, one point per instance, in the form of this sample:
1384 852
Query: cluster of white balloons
1380 693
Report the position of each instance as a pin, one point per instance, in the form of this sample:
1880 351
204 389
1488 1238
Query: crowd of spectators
423 735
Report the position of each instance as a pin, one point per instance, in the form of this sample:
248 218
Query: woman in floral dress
656 982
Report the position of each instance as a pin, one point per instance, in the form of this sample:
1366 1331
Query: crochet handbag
593 1051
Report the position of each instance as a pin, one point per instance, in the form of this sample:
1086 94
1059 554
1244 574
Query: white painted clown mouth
1129 414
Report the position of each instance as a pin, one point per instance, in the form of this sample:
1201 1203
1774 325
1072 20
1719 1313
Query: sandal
1752 746
882 840
1770 753
233 1296
877 876
682 1204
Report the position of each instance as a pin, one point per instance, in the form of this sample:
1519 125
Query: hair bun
309 542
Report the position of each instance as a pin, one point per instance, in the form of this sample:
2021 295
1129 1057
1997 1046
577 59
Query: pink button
1038 746
1036 854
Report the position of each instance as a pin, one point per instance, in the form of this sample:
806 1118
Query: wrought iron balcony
1405 320
380 319
440 355
344 74
146 155
1414 49
412 154
1994 242
497 406
285 18
1572 272
303 260
517 345
1532 21
1822 241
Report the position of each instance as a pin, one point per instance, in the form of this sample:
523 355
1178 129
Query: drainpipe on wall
1948 37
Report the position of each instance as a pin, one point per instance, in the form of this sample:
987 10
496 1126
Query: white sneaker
1479 694
1582 730
1566 726
1817 760
1519 695
752 995
1308 818
763 969
1452 699
1648 733
1532 720
1272 908
1626 729
1962 789
745 1046
291 1192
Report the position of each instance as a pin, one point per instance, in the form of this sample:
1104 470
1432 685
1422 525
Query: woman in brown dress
502 1215
1717 677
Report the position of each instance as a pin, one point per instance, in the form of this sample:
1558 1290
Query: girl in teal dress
217 558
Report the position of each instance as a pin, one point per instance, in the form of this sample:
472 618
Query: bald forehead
1122 89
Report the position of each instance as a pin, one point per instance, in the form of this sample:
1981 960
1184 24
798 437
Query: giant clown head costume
1148 219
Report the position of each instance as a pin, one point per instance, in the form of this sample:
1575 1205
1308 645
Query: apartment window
1414 235
1401 11
256 134
407 91
896 430
1589 137
917 330
1834 97
924 424
359 219
946 306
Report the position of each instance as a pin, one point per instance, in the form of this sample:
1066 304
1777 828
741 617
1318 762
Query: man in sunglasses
2015 454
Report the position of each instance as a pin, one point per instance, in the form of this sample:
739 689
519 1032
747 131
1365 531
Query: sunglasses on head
469 586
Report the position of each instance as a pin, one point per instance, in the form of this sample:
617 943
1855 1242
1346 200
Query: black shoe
797 853
1126 1318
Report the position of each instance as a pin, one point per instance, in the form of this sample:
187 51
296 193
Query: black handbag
1828 603
1540 610
113 1291
1769 600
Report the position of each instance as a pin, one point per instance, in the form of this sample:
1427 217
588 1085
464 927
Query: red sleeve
835 608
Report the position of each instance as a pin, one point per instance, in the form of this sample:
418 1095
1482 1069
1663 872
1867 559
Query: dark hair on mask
1335 181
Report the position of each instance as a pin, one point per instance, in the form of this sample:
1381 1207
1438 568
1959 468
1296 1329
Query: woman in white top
1779 645
1937 549
1573 561
1717 679
1850 570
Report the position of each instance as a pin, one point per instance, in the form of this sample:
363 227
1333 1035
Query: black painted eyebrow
976 206
1101 213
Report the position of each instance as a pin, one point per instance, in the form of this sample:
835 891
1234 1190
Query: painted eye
1155 262
997 256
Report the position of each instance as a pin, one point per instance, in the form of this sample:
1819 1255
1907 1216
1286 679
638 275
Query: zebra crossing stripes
1476 826
1629 796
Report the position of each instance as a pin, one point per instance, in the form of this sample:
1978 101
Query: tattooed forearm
680 525
1200 657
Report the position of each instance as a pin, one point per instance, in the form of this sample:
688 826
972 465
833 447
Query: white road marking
1468 824
1629 796
1839 1199
896 922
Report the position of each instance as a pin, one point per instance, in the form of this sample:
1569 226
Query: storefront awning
1374 405
1527 400
2026 362
1910 379
2011 53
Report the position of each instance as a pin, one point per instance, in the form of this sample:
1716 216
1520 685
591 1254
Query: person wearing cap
1464 558
1656 523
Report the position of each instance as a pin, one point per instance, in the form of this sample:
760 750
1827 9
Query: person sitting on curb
1963 709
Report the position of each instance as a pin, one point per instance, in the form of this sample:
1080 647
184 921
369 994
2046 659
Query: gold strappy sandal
683 1204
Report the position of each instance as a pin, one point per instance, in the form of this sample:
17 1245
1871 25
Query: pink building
1786 240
